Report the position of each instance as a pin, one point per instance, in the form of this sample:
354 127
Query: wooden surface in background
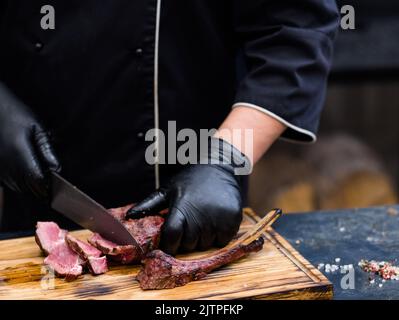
339 171
276 272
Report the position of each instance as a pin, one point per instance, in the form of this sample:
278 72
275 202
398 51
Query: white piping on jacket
278 118
156 96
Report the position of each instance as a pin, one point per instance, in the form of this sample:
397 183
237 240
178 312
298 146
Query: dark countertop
350 235
13 235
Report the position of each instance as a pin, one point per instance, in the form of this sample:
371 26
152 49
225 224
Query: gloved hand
204 201
26 155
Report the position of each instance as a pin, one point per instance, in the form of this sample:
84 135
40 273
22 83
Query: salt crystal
372 281
337 260
342 229
298 241
392 212
380 285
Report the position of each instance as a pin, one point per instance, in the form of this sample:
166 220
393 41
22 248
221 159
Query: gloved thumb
151 205
45 150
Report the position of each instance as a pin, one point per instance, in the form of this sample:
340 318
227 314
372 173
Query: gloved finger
227 231
172 231
153 204
30 176
207 236
206 241
39 188
223 238
11 184
45 150
190 237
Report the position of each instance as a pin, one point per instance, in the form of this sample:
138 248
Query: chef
80 95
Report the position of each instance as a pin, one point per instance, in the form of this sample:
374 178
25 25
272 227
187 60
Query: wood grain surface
276 272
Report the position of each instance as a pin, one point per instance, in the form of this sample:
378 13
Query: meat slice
63 260
120 213
95 261
48 236
162 271
122 254
146 231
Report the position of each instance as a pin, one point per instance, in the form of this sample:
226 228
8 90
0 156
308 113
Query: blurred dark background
355 162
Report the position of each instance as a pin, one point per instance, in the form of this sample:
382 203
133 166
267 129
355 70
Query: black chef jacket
113 69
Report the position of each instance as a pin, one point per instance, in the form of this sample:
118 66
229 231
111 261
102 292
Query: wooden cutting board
276 272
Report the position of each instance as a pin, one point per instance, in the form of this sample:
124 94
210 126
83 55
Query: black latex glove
204 202
26 155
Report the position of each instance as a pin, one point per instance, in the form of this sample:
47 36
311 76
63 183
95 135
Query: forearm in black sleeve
288 49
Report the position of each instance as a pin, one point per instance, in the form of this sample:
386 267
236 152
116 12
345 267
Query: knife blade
86 212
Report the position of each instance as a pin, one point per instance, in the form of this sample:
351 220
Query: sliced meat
120 213
48 236
65 262
162 271
146 231
122 254
98 265
95 261
62 259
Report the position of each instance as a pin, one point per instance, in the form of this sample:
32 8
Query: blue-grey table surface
349 235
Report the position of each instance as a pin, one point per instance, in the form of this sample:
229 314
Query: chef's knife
80 208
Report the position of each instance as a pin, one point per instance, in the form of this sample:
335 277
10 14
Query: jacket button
38 46
139 52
